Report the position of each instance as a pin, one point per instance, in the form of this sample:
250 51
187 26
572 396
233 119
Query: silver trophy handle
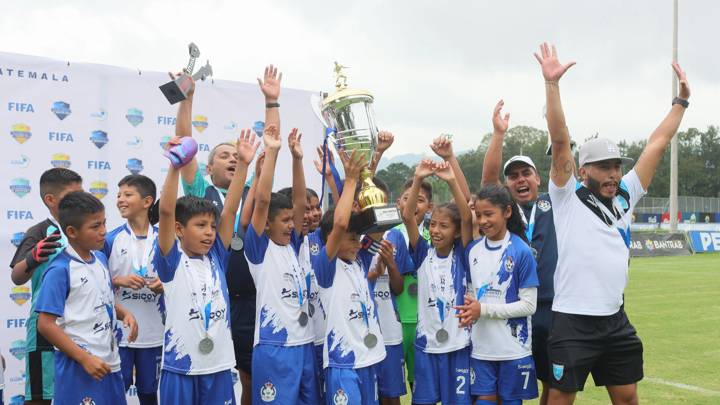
194 54
203 72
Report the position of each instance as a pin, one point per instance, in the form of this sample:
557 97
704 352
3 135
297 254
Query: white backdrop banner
105 122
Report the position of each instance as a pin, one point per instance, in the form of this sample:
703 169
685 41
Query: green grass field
674 304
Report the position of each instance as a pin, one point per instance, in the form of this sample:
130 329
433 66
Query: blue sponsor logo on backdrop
18 215
134 116
19 186
20 132
16 238
61 160
99 138
98 165
61 109
20 107
12 323
135 166
230 126
17 349
21 162
98 189
100 114
60 137
134 142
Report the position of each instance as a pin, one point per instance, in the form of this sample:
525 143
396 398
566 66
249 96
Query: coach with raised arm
590 331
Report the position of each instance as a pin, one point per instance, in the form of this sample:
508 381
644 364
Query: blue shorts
391 373
349 386
146 364
319 372
216 388
284 374
74 386
442 377
508 379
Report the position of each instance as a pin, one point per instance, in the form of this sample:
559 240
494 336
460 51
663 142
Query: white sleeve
561 195
518 309
634 187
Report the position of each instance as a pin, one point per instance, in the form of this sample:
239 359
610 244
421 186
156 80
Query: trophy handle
203 72
316 104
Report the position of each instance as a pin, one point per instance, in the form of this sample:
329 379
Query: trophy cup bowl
350 113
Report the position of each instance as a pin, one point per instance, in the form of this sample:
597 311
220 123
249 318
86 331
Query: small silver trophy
350 114
176 90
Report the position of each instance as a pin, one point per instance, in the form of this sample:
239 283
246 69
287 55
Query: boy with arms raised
39 245
198 352
75 309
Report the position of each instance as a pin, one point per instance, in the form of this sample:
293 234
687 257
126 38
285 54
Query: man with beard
590 330
523 180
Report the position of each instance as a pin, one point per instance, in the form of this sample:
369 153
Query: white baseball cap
518 159
599 149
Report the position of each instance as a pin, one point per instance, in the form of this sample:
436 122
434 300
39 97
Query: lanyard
139 265
207 296
237 214
529 226
621 225
436 282
358 283
298 276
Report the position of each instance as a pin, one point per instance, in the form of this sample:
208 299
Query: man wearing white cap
523 180
590 330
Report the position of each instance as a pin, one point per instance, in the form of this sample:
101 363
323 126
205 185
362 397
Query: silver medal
236 243
206 345
370 340
303 319
311 309
442 335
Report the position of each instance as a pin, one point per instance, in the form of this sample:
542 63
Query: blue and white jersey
129 254
388 314
499 269
442 282
316 309
80 294
352 314
282 293
196 298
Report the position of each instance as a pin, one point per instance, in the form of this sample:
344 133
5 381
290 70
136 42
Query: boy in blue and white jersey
129 249
283 355
76 309
354 344
197 350
502 301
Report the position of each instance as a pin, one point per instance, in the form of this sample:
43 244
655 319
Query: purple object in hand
182 154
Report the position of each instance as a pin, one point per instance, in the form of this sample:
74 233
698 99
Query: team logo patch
21 162
200 122
314 249
99 138
509 264
268 392
61 160
544 205
134 165
340 397
558 371
134 116
20 294
19 186
61 109
87 401
20 132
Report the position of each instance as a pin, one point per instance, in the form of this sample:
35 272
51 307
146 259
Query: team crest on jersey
544 205
509 264
314 249
558 371
87 401
268 392
340 397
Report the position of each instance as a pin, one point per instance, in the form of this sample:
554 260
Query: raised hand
385 140
552 69
425 168
259 163
192 88
246 146
294 144
352 164
270 83
684 86
318 163
442 146
271 137
500 123
444 171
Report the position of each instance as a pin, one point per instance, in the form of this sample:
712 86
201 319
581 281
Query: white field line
688 387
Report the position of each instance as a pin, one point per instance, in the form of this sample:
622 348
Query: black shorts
606 346
242 311
541 325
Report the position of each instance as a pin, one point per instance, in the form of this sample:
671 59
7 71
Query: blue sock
148 399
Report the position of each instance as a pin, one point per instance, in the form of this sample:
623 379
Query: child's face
307 218
130 203
349 246
91 234
316 212
281 227
423 204
443 230
491 219
198 235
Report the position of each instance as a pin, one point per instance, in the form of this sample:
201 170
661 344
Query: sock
148 399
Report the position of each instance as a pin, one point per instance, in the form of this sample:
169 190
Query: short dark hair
187 207
146 188
424 186
311 193
75 206
54 181
278 202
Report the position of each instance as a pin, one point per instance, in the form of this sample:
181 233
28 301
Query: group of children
148 305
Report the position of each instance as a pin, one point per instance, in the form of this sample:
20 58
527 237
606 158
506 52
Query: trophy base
376 219
172 92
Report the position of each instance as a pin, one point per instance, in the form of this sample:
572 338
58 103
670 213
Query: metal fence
651 205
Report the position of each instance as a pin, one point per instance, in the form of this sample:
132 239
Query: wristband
272 105
682 102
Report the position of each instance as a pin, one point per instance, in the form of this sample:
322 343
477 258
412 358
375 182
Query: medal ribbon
529 226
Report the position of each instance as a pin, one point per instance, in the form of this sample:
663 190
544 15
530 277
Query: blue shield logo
558 371
61 109
99 138
134 165
134 116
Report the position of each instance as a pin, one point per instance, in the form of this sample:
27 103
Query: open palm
552 69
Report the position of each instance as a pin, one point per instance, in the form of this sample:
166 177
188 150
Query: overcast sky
434 67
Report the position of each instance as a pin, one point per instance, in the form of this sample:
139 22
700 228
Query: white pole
674 142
